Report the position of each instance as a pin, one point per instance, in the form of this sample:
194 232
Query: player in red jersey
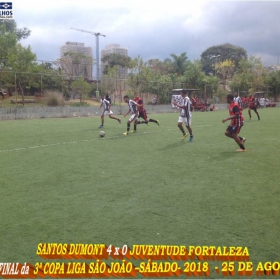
142 112
237 120
252 105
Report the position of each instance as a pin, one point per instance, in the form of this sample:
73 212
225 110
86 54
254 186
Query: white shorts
106 113
133 117
186 120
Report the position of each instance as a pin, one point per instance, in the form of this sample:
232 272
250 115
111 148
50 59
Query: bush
54 98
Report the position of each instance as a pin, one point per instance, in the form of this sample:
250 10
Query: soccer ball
102 133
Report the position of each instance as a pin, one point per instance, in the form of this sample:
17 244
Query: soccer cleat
133 131
184 136
157 122
119 120
101 126
191 139
241 150
243 140
125 133
147 123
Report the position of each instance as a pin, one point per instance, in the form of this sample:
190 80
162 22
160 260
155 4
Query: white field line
84 140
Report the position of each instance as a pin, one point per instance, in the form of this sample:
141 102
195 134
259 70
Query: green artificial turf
60 182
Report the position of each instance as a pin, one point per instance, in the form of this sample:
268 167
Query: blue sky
153 29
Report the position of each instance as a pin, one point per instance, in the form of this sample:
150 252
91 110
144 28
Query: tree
7 41
74 65
11 27
194 76
250 76
21 60
272 79
224 70
178 64
82 87
136 77
109 81
225 52
115 59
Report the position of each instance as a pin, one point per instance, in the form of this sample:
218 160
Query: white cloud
152 28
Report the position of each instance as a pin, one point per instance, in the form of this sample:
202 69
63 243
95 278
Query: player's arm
236 112
127 113
140 103
184 106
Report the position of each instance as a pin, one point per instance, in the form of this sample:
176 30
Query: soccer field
62 183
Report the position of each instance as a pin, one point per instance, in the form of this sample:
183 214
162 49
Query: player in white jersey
237 99
106 110
133 110
185 115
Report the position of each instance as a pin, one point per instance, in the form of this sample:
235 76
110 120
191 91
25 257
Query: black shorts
234 129
253 108
143 115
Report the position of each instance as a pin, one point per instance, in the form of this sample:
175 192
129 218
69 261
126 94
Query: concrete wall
67 111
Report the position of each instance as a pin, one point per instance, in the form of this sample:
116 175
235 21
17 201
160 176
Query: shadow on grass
174 145
224 155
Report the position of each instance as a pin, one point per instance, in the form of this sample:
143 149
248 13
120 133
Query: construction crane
96 34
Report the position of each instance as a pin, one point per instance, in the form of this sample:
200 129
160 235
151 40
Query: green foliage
224 70
21 60
194 76
11 27
226 52
250 76
73 65
178 64
273 80
82 87
7 42
115 59
109 81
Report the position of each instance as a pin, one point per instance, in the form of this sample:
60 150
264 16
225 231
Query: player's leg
249 112
114 118
141 115
131 119
255 110
102 120
188 126
180 125
149 120
232 132
135 125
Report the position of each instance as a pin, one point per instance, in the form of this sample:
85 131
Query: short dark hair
126 96
230 96
184 91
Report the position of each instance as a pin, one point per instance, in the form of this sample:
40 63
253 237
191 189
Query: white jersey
186 111
133 107
105 103
238 100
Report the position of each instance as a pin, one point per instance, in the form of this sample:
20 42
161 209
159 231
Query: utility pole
97 54
215 56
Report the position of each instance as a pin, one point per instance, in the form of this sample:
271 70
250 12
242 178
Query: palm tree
179 62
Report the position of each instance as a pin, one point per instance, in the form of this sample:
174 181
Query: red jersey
139 101
251 102
234 110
